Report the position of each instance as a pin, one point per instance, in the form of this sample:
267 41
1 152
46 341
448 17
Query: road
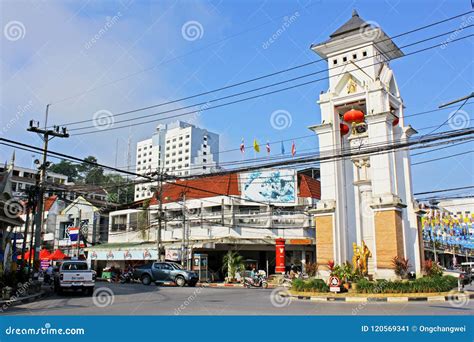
138 299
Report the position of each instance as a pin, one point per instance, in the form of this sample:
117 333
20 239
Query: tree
66 168
91 174
120 189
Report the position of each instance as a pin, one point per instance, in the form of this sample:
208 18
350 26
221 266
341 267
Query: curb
23 300
456 296
223 285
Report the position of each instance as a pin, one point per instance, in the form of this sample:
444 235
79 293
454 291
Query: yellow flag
256 147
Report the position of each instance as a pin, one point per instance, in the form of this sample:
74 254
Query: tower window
344 59
354 56
364 53
334 61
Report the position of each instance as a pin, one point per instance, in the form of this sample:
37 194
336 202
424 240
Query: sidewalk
5 304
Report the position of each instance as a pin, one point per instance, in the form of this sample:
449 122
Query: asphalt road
138 299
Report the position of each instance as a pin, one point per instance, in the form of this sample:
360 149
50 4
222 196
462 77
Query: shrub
401 266
311 268
432 269
311 285
425 285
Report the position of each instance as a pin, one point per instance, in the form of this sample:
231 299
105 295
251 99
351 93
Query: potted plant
400 267
233 262
7 292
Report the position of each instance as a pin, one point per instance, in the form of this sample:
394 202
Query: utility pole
159 243
79 234
184 257
29 206
46 135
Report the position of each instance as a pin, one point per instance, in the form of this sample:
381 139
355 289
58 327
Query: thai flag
242 146
293 149
73 233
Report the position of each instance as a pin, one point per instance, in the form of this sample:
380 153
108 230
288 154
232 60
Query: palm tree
232 263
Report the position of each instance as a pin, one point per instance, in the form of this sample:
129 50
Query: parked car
74 275
161 272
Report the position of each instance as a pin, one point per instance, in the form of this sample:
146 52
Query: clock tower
365 198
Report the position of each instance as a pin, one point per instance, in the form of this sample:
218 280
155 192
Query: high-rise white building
179 149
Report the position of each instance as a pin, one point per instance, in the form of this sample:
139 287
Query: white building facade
179 149
215 214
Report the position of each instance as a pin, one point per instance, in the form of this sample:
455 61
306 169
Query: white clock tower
364 198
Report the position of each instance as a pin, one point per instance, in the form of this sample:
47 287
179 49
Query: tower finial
354 13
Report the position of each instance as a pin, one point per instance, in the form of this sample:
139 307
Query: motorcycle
126 277
258 281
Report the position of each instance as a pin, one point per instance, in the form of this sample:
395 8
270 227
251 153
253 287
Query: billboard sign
272 186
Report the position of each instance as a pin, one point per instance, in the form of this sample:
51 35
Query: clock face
361 128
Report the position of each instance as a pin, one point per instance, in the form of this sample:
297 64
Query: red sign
280 255
334 284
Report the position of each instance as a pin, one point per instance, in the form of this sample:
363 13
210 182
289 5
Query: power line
256 78
246 98
442 158
444 190
277 142
205 47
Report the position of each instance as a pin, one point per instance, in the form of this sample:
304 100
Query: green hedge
311 285
425 284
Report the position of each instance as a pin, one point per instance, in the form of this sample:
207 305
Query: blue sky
57 57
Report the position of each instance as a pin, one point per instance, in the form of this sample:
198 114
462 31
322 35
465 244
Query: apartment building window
187 143
204 160
186 158
139 156
180 152
204 153
364 53
181 138
173 154
187 136
174 139
186 165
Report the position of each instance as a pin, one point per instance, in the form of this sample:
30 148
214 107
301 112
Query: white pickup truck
74 275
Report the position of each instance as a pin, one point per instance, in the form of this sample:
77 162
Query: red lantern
396 121
344 129
354 115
